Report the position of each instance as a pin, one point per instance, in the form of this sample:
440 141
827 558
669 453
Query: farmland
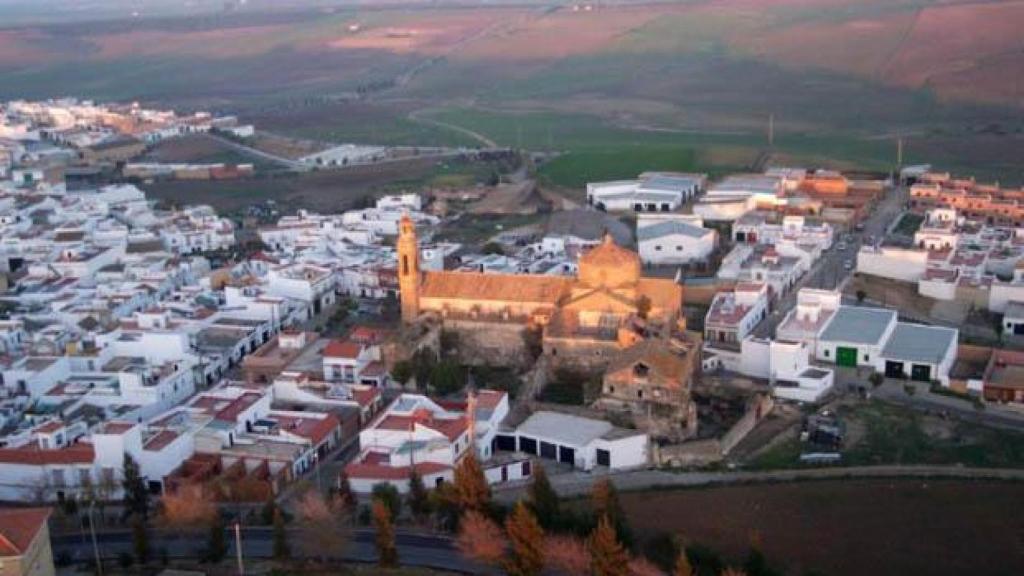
616 89
850 527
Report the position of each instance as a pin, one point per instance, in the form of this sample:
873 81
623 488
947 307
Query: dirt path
417 116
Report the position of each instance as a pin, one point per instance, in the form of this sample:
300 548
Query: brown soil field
950 40
850 528
334 190
198 149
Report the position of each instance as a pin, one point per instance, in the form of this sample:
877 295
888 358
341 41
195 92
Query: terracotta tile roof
663 293
49 427
365 396
609 254
117 427
34 456
451 428
19 527
316 430
162 440
494 287
342 349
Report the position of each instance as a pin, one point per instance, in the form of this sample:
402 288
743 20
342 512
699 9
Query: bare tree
324 526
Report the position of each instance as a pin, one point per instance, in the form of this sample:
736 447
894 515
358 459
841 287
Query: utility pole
95 546
238 547
771 130
899 153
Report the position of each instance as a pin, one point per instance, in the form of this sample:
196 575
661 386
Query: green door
846 356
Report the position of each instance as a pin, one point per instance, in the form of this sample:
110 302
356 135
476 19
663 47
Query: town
161 356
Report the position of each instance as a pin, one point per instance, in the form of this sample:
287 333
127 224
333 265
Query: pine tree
268 511
418 499
387 552
281 549
526 538
480 539
607 555
216 545
136 498
543 499
683 567
140 540
604 499
471 486
345 497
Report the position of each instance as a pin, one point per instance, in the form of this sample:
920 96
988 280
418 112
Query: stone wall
489 343
704 452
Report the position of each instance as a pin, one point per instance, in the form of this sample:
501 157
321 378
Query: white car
848 265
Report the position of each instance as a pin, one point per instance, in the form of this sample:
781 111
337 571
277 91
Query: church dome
609 265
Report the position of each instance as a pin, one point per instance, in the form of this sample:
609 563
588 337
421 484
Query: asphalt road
413 549
830 272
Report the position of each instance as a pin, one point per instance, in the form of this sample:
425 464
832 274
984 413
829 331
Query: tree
604 499
136 497
876 379
683 567
418 499
269 511
140 540
388 495
643 567
543 499
607 555
216 545
643 306
567 554
280 535
447 377
187 507
345 498
402 371
323 524
526 539
471 488
387 552
493 248
480 539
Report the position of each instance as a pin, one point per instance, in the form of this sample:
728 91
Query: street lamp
95 546
238 547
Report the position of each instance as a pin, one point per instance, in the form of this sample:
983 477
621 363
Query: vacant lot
850 528
199 149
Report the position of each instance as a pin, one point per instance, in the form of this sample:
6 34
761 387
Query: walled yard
848 528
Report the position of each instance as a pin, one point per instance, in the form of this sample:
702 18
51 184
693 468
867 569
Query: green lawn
909 224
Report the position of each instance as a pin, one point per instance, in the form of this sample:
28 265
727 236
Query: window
826 353
679 248
867 358
657 248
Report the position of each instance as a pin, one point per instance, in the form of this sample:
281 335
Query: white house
582 442
670 242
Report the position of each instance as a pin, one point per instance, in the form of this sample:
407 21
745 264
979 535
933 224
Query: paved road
830 272
413 549
286 162
579 483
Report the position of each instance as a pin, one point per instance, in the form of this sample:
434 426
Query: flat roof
858 325
670 227
568 429
917 343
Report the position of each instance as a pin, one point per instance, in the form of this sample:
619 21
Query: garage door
604 458
547 450
528 445
566 455
893 369
505 443
846 356
921 373
1018 329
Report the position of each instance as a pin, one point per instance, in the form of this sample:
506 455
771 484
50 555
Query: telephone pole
238 548
771 130
899 152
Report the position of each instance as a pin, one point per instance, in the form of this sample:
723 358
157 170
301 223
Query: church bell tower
408 269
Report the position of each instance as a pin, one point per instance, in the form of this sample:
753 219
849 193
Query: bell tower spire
408 269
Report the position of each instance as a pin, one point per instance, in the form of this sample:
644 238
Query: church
584 321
